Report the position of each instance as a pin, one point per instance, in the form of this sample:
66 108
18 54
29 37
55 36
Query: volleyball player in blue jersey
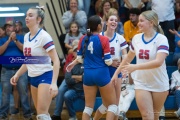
94 52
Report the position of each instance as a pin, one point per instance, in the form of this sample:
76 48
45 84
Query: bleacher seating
169 59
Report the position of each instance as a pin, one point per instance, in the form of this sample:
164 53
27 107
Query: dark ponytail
93 23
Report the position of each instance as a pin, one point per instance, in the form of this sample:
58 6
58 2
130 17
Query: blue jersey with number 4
97 51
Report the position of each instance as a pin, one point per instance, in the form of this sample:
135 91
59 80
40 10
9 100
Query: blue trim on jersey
123 44
34 36
107 56
150 40
112 38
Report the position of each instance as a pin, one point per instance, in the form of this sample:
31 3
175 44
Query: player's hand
129 68
53 90
115 63
13 36
114 79
14 80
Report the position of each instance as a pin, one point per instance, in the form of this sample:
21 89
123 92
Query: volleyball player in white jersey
151 79
43 77
118 47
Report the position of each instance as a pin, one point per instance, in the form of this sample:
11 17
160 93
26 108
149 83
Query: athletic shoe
122 116
14 111
3 118
161 118
54 117
73 118
176 114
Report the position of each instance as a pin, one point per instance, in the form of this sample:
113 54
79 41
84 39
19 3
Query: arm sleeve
162 45
80 50
66 39
106 50
68 78
47 43
123 43
81 18
67 18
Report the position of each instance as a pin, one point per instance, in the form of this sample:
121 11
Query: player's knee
102 109
43 117
88 110
113 108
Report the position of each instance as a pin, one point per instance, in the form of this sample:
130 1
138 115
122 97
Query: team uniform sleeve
131 46
80 50
123 43
106 49
162 45
47 43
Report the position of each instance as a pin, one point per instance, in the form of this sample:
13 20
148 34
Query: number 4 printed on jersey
90 47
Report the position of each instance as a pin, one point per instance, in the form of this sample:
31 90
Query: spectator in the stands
2 32
119 28
19 27
130 27
64 86
175 86
102 6
176 55
75 15
129 4
84 5
73 34
166 18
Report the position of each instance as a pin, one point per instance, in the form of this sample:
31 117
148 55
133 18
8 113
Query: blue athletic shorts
97 76
112 71
44 78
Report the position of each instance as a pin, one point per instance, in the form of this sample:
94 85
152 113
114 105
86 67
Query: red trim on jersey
105 44
80 42
48 45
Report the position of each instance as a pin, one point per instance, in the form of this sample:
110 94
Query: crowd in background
75 21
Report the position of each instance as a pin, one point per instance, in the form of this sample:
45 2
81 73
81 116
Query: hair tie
40 7
88 30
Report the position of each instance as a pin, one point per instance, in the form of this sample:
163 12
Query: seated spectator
19 27
62 89
103 8
175 85
126 97
70 57
75 87
2 32
176 55
76 15
119 28
73 34
130 27
129 4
